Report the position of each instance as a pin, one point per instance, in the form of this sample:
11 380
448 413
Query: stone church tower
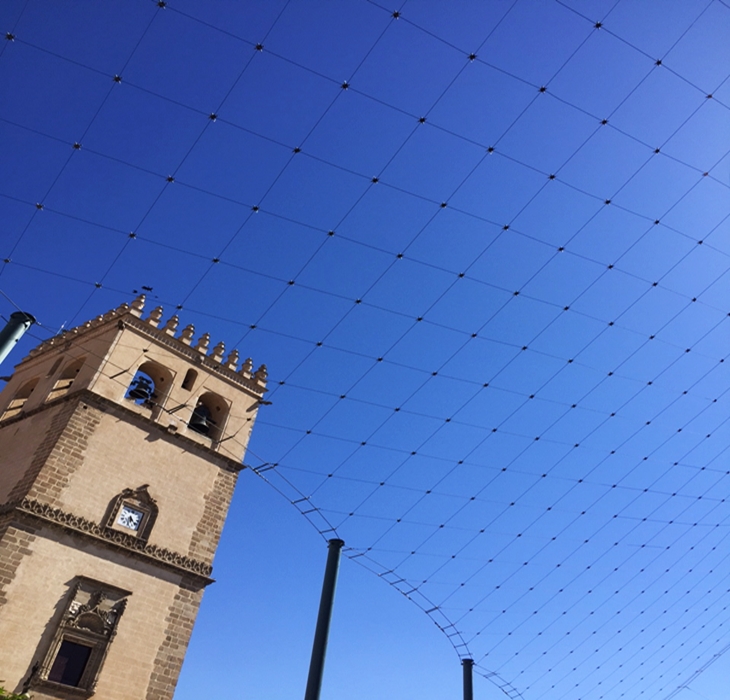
120 445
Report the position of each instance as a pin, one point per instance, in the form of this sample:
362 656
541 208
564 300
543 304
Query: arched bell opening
65 380
150 386
18 401
209 416
141 390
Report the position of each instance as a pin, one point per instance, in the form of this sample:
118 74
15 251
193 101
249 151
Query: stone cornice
69 522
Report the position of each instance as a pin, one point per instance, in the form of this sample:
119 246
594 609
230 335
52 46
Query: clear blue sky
483 248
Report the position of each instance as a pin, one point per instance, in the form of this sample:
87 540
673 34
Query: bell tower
120 444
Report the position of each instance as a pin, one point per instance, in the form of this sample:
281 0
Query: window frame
20 398
62 672
90 619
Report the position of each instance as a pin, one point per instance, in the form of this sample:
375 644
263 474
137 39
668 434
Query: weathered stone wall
151 636
15 543
78 454
25 444
171 653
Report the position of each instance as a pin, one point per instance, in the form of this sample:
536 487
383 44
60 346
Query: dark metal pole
468 665
18 324
319 648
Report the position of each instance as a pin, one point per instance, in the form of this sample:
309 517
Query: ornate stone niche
133 512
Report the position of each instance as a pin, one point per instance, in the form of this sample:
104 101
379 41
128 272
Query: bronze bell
201 420
141 390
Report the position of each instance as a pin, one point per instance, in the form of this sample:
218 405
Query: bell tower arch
120 444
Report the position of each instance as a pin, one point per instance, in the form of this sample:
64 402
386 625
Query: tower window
54 367
62 385
70 663
150 385
18 401
82 638
209 416
142 390
202 420
189 382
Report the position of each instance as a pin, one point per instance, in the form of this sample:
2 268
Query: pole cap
23 317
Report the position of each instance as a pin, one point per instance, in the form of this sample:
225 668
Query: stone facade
112 502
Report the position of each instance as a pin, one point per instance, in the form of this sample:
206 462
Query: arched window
18 401
62 385
54 367
150 385
189 382
209 416
141 390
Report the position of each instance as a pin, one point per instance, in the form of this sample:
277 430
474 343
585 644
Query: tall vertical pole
18 324
319 648
468 665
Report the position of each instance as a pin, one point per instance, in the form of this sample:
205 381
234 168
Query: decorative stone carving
130 543
232 361
261 374
186 336
89 623
143 513
203 342
155 315
100 612
171 325
217 354
247 367
137 305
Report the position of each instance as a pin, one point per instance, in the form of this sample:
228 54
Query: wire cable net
483 251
